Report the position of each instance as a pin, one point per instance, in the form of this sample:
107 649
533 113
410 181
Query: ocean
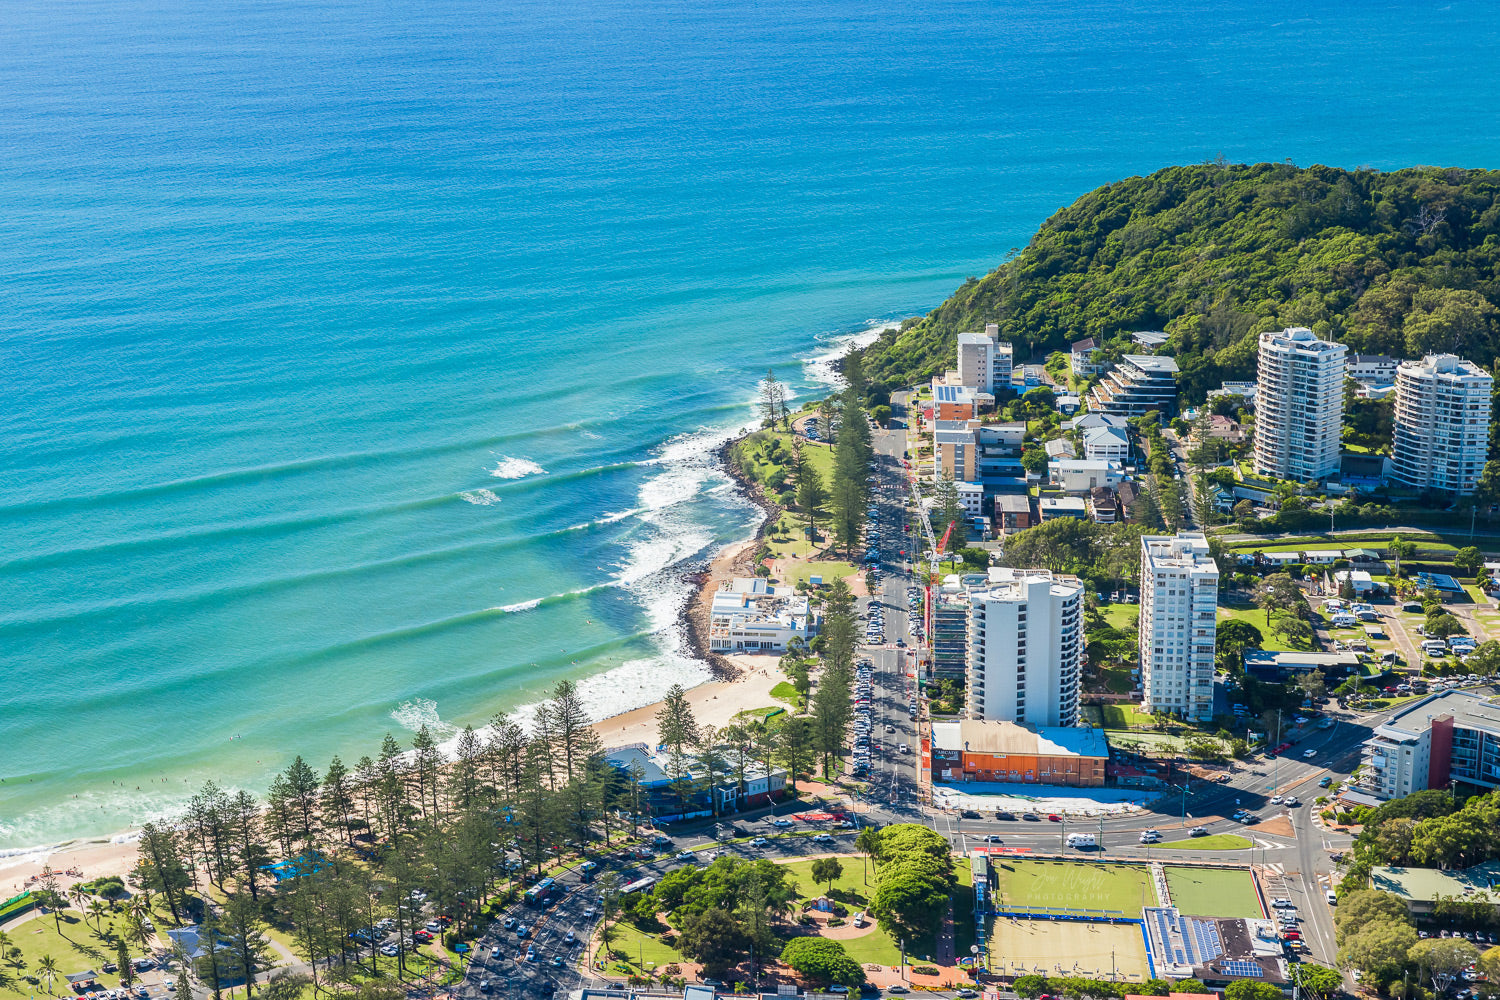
362 362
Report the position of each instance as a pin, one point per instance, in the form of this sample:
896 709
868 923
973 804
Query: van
1332 897
1082 841
1342 621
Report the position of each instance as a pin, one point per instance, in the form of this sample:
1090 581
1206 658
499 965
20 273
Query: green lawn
1257 617
1117 680
1073 884
1217 842
1213 892
1120 615
643 949
784 691
1124 715
76 946
829 571
879 947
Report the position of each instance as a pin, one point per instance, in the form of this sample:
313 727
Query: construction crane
943 545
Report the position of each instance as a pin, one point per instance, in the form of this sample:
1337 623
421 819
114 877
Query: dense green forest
1397 263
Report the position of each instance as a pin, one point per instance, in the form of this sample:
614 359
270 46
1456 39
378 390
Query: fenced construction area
1068 948
1025 886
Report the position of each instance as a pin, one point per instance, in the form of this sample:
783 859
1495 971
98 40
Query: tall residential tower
1179 598
1442 423
1299 405
1025 648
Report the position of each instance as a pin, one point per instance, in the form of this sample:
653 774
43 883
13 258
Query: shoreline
743 681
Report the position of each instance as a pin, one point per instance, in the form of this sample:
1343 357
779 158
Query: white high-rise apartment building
1299 405
976 361
1179 598
1025 656
1442 423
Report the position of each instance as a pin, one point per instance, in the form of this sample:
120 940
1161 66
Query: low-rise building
1103 507
1364 584
1012 512
1421 888
1052 508
672 795
749 615
1270 665
1082 358
1376 369
1224 429
1245 390
1149 339
1214 950
999 751
1106 444
1080 475
1060 448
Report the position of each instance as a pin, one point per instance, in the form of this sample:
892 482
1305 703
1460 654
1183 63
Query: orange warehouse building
995 751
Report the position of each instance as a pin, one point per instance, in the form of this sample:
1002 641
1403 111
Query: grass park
75 942
1213 892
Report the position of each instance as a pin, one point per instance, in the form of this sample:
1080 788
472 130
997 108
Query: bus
540 894
639 885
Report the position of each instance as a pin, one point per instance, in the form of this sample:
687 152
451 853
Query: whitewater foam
521 606
822 366
483 498
413 715
516 468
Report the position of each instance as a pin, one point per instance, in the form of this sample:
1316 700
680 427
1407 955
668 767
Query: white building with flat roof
1442 433
1299 405
1178 626
749 615
1025 648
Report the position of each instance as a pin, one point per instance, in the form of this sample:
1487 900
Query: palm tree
77 897
139 906
97 908
868 844
136 932
46 968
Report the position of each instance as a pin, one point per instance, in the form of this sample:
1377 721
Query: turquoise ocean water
360 362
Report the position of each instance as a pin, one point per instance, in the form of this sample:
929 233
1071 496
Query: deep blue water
282 285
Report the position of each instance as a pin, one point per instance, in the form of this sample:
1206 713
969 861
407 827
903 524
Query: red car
423 935
1054 818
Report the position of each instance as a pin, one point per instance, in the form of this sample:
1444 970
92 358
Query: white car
1309 753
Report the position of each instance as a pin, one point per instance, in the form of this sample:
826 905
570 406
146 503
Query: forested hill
1397 263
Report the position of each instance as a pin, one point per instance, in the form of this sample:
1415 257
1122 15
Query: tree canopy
1397 263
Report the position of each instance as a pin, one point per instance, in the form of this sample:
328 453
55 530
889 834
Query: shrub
925 970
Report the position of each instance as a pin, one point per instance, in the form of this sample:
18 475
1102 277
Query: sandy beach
747 684
714 704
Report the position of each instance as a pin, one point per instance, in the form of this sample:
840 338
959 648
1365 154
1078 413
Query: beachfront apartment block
1299 405
749 615
1025 647
1178 627
1442 432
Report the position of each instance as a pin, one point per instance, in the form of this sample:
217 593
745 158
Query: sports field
1079 885
1021 946
1213 892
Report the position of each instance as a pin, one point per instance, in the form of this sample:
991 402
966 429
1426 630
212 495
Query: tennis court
1068 948
1213 892
1079 885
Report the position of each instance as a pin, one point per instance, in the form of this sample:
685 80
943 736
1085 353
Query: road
1294 867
